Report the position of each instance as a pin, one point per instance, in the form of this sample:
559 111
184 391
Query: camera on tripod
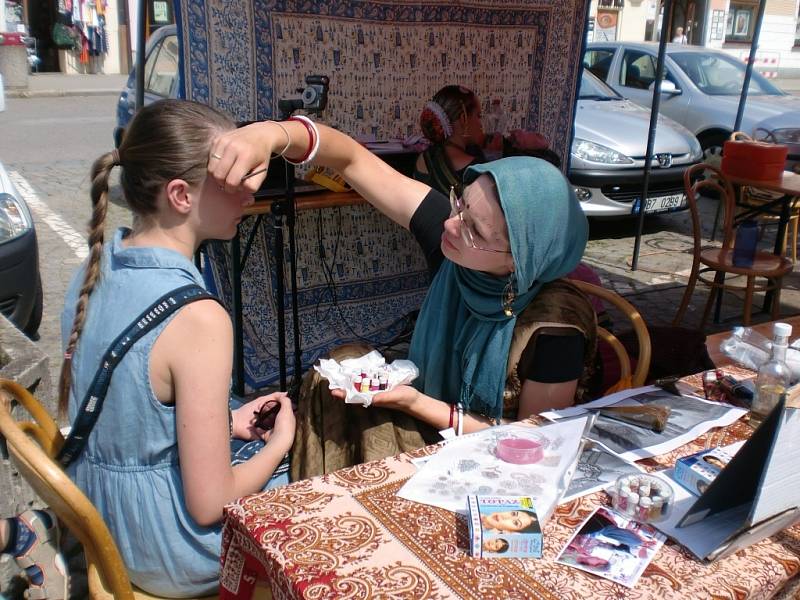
313 98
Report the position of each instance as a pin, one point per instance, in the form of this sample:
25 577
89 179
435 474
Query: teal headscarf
462 337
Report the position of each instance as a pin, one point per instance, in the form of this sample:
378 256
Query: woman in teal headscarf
499 334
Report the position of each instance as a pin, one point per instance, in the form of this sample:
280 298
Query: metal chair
720 259
640 328
32 445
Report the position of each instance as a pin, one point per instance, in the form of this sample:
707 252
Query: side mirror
669 88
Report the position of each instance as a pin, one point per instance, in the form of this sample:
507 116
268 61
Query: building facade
724 24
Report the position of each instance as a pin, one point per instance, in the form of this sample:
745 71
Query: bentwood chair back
639 327
32 445
719 259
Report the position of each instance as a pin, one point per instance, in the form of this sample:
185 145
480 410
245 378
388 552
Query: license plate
665 203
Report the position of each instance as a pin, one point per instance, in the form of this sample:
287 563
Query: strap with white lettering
92 403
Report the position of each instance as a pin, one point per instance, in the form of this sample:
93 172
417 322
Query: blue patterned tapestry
384 60
359 275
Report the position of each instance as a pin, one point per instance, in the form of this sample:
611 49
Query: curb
60 93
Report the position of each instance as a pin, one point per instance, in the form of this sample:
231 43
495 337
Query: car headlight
789 135
695 148
14 218
591 152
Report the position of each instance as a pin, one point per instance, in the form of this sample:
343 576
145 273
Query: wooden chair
640 328
32 445
751 197
720 259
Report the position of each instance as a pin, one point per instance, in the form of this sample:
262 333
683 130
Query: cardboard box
503 527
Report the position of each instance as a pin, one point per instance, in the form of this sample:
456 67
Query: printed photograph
611 546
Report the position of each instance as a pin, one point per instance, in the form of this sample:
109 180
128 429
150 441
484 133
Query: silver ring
217 156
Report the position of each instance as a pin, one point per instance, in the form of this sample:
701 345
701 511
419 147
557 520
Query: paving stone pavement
657 286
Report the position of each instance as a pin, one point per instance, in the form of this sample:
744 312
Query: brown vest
557 308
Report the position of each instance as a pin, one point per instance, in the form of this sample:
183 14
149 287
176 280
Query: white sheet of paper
690 417
467 465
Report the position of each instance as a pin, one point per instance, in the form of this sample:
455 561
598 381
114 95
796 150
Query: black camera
313 98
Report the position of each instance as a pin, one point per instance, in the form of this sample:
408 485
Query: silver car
608 153
701 89
779 131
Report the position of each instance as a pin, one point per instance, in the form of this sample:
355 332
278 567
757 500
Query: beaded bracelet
313 140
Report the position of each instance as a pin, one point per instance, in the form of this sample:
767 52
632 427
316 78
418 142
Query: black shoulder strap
92 403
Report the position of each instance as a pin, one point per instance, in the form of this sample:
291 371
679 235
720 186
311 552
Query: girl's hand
244 417
282 432
402 397
237 153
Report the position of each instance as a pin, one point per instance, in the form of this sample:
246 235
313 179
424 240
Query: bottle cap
782 329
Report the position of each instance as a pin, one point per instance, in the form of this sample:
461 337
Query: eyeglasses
457 208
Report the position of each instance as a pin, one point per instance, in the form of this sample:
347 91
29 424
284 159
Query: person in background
680 37
452 123
32 539
499 335
159 463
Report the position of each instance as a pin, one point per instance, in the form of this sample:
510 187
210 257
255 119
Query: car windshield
721 75
594 89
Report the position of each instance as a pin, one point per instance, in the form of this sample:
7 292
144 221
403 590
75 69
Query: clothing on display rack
87 17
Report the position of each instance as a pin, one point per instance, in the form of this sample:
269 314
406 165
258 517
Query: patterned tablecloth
347 535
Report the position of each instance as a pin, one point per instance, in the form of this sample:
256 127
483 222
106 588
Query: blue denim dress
129 467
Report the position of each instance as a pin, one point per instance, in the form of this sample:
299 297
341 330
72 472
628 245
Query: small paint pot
519 451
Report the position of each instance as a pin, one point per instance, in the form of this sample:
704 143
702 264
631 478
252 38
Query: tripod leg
280 288
297 371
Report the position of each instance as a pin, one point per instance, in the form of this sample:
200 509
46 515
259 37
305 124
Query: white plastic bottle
774 376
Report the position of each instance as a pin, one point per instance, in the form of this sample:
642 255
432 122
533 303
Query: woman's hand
528 140
237 153
402 397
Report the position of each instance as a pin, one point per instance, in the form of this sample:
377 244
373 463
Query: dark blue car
160 77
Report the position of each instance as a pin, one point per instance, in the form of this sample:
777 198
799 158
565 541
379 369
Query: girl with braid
158 462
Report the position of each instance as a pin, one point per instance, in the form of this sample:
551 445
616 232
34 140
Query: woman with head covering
499 334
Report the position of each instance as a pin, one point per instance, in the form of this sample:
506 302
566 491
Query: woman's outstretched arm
247 149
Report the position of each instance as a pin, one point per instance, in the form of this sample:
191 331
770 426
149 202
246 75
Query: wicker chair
32 445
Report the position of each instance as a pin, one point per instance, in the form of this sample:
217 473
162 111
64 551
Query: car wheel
712 154
32 326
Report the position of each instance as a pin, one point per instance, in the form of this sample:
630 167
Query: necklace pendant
509 312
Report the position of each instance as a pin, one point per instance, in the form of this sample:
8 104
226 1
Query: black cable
331 286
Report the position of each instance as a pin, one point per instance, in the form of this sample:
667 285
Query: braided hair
162 143
448 105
